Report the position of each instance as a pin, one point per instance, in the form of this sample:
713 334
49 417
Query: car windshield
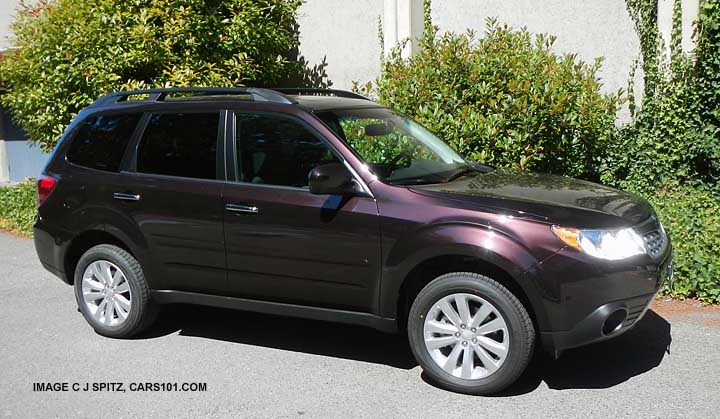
397 149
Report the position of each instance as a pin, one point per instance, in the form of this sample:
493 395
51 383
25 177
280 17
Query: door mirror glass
332 179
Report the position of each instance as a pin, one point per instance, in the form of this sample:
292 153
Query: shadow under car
600 365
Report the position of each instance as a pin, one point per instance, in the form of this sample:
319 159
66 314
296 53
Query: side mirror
332 179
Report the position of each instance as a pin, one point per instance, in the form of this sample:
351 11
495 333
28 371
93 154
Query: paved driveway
265 366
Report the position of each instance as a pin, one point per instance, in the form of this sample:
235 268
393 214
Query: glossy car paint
326 253
353 253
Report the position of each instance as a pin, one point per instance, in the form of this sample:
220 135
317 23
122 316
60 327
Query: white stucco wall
346 33
590 28
7 15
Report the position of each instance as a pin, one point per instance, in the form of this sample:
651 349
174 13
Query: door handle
242 208
126 196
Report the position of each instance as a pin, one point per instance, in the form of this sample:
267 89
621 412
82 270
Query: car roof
310 99
321 103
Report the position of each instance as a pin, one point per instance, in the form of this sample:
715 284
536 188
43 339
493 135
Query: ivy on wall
674 137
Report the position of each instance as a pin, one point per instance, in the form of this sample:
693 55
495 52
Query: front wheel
470 334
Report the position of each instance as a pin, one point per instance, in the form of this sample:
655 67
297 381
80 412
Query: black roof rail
319 92
159 95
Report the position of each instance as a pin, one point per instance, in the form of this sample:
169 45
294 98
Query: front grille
654 243
653 236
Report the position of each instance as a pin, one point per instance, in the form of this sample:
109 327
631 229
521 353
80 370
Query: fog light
614 322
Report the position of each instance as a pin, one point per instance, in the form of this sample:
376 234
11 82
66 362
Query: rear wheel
470 334
111 292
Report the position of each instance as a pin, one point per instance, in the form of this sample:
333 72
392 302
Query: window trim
129 164
232 160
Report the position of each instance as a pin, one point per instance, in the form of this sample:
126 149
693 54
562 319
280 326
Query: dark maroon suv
325 205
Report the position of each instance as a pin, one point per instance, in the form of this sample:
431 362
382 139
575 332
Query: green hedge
18 207
692 219
505 99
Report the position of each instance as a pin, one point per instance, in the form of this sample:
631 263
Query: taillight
46 184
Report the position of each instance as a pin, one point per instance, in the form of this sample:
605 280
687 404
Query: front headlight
605 244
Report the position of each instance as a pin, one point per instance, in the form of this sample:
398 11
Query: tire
498 348
115 308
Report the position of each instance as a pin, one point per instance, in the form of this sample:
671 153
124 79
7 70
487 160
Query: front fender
480 242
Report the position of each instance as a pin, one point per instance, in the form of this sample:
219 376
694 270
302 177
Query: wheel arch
460 248
86 240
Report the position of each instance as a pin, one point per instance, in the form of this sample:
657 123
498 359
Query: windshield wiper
462 172
415 181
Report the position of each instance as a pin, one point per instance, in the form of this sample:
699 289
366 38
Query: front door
285 244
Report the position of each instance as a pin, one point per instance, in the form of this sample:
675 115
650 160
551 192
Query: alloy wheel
106 292
466 336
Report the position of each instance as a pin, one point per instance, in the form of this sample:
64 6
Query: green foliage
644 14
708 64
72 51
675 137
505 99
669 140
692 219
18 207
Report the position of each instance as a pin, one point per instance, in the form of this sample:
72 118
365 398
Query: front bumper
594 304
605 322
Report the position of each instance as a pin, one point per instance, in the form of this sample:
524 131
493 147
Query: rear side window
182 144
100 141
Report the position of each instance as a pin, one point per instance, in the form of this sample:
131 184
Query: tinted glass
278 151
180 145
100 141
398 150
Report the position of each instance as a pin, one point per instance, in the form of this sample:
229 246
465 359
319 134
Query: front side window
398 150
100 141
182 144
273 150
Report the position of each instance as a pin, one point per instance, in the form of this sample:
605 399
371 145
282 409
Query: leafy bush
692 218
18 207
72 51
505 99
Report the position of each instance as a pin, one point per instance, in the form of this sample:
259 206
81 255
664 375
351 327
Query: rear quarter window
100 141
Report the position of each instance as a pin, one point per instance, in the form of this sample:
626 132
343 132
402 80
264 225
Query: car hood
554 199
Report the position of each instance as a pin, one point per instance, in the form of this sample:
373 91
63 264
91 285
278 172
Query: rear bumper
50 252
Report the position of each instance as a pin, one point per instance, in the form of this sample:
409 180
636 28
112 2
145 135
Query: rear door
172 191
284 243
